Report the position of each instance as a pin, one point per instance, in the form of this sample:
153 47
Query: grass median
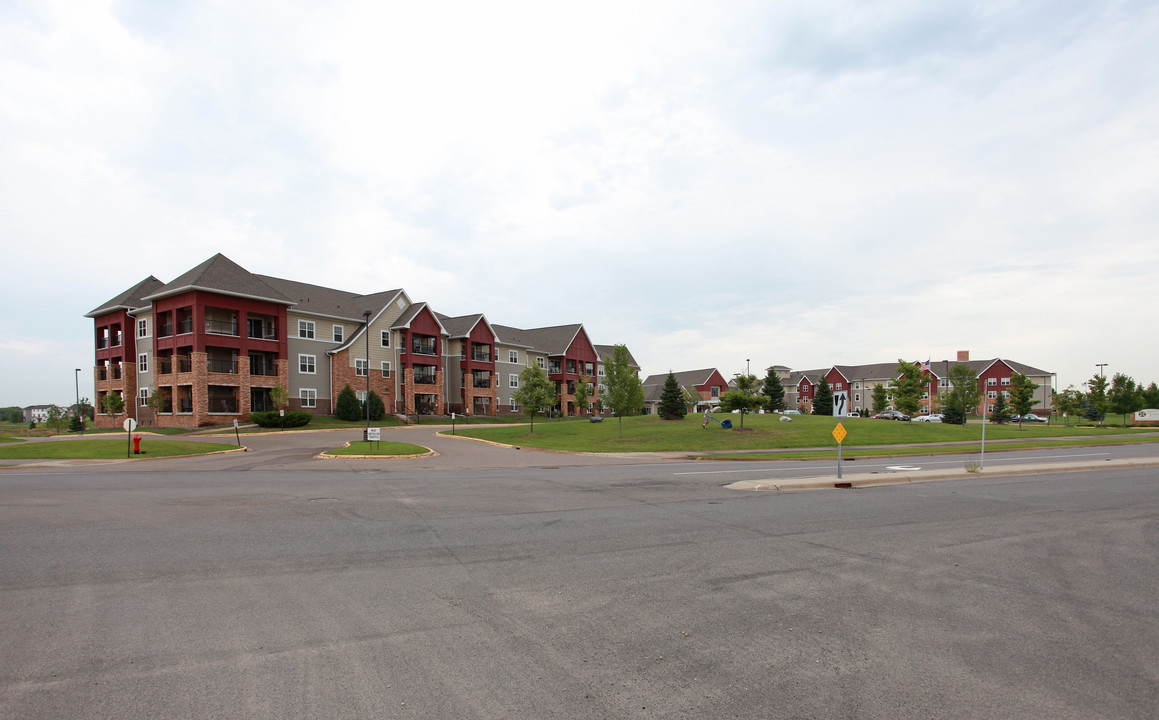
107 449
766 432
385 449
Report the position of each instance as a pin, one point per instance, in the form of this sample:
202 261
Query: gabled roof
604 351
219 274
328 302
412 312
553 340
131 299
464 325
684 378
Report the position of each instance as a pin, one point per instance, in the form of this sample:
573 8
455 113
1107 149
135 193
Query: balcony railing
554 369
263 368
102 343
102 374
116 372
184 364
481 356
426 378
482 381
221 366
222 405
185 327
218 327
164 366
165 330
423 347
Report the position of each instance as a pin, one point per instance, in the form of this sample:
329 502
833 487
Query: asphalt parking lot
488 582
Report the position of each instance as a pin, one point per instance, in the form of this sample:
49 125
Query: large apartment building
215 341
859 381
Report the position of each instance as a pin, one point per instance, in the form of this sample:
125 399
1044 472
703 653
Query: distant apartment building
209 347
859 381
705 386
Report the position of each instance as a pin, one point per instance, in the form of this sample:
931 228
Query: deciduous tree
743 398
963 396
912 381
583 391
625 389
535 392
880 398
1124 396
1021 394
1096 399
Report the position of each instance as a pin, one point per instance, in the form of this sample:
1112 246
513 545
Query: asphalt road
488 582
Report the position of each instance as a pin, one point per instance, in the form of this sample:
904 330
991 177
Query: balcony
481 356
165 330
222 405
221 366
184 364
185 327
260 329
102 343
115 371
424 378
481 380
219 327
264 369
423 346
164 366
554 369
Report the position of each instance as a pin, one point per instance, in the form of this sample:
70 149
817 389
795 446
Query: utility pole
79 415
366 317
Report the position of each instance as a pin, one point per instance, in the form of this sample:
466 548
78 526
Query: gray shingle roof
603 351
318 300
131 299
684 378
222 275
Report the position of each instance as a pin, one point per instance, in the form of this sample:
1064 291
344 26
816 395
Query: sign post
236 433
130 424
839 435
374 434
452 423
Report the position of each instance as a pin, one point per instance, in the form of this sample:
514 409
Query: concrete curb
859 480
327 456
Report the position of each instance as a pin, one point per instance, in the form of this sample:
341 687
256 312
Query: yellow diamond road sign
839 433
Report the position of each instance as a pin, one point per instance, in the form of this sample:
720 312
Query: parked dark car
891 415
1031 417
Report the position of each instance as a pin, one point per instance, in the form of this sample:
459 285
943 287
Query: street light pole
78 409
1100 366
366 317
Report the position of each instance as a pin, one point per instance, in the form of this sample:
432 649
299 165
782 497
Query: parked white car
933 417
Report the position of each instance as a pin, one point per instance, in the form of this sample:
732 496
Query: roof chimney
963 356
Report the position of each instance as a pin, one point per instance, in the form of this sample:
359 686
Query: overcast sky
804 184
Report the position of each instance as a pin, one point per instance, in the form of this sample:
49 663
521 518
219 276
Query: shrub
347 407
377 408
272 419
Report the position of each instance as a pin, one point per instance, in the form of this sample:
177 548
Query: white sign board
840 403
374 434
1148 415
130 424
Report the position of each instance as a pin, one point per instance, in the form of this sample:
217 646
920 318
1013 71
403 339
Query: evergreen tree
823 400
774 391
377 408
672 405
347 406
1001 413
880 398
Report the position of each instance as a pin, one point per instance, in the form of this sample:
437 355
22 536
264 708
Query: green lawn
651 434
851 453
106 449
360 447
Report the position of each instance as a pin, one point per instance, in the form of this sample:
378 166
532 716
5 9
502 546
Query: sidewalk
915 475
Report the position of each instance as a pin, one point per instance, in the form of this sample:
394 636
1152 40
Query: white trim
308 326
313 364
312 398
337 332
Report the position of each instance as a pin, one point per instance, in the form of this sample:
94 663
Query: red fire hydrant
136 444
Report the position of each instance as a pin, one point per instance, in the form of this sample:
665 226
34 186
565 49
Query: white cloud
799 184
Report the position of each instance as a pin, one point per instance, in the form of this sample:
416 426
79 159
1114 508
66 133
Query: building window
386 368
1005 382
143 397
338 333
513 381
360 368
513 356
308 397
992 394
857 386
944 382
384 338
838 386
714 392
143 328
588 369
856 397
143 362
600 371
361 394
514 405
306 329
540 363
991 381
306 364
